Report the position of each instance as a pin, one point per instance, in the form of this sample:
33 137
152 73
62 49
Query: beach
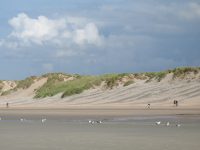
128 129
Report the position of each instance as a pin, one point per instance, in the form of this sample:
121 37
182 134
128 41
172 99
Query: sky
97 36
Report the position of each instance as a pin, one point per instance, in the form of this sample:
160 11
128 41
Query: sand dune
139 94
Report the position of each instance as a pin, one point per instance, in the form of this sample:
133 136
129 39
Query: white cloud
89 34
35 30
60 32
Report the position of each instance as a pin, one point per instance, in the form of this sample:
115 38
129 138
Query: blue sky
96 37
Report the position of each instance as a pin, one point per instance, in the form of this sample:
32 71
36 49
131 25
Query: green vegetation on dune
161 75
183 71
79 85
140 76
26 83
128 83
111 79
157 75
55 84
76 86
22 84
58 76
180 72
1 85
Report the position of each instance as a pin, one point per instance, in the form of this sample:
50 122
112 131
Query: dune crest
137 90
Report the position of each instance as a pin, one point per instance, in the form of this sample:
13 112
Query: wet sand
121 129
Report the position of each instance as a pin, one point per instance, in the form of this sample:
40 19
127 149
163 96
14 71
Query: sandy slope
22 96
158 94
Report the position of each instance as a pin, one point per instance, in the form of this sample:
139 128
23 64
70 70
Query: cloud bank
95 37
61 33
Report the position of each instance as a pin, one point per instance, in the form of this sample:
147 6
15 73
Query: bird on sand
158 122
44 120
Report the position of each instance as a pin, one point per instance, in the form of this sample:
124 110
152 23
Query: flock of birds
43 120
23 120
167 124
157 123
95 122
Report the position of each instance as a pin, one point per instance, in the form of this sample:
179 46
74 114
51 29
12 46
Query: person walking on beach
176 103
7 105
148 106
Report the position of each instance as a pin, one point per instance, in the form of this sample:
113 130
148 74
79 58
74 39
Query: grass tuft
183 71
128 83
1 85
156 75
26 83
54 85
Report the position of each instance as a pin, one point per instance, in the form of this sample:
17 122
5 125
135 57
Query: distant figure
7 105
176 103
148 105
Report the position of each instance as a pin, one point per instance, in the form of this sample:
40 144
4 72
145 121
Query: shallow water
116 134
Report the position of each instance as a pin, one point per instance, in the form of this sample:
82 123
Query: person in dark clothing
7 105
148 105
176 103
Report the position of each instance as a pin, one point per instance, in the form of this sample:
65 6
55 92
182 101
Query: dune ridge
159 90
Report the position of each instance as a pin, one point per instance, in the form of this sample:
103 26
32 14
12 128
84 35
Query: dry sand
132 99
98 112
67 119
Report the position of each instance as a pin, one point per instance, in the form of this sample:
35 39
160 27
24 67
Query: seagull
21 119
99 122
178 125
44 120
167 124
158 122
91 122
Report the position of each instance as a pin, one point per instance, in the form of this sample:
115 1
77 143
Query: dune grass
1 85
54 86
58 83
26 83
183 71
87 82
22 84
179 72
156 75
128 83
